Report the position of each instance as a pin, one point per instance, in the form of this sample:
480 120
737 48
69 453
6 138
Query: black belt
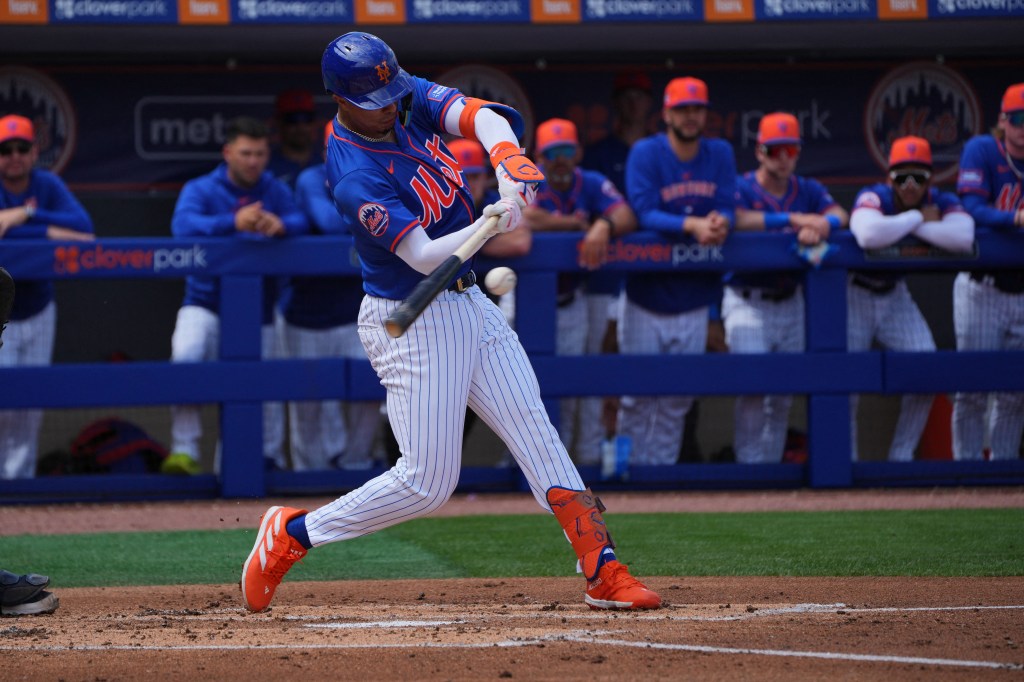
771 295
875 286
1006 282
462 284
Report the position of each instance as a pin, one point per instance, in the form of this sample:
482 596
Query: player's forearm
751 221
79 221
491 128
423 254
872 230
987 215
955 232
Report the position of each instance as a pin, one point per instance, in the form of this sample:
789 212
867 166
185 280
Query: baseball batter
242 199
988 306
319 321
584 201
878 303
405 199
764 313
34 204
683 186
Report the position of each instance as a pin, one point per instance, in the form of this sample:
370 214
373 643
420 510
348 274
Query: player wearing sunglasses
988 305
34 204
764 312
879 304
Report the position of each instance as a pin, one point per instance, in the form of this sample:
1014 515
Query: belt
462 284
874 286
771 295
1008 282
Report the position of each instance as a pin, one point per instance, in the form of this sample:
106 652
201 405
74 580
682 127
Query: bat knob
393 328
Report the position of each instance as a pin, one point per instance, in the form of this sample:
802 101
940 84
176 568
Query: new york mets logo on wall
374 218
928 100
492 85
36 96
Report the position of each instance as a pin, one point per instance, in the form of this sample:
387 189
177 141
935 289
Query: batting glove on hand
518 177
508 212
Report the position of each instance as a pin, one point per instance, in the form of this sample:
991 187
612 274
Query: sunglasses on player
565 151
9 148
903 178
1016 119
777 150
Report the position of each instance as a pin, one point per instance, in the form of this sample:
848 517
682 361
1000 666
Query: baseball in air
500 281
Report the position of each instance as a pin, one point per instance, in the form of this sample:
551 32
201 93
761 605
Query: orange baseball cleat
615 588
273 554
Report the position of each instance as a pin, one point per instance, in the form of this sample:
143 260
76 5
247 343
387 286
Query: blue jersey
990 182
206 208
608 157
802 195
55 205
663 191
589 196
288 171
881 198
384 190
320 302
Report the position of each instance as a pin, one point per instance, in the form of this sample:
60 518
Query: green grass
966 542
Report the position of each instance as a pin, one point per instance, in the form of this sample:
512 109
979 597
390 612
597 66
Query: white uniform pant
757 325
460 352
893 319
655 423
329 433
986 318
27 342
197 339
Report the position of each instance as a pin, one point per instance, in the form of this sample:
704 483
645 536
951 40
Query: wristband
833 221
775 221
611 224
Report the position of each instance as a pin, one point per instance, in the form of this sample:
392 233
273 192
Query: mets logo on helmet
384 72
374 218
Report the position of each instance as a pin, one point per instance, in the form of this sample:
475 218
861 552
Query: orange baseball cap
778 128
469 154
14 127
1013 99
910 150
556 132
681 92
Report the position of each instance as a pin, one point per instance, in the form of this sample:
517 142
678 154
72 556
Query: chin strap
579 513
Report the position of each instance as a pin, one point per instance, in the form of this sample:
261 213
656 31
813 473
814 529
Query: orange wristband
502 151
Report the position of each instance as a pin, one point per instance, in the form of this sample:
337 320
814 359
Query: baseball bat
436 282
6 300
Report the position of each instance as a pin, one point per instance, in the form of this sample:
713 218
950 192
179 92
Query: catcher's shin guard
579 513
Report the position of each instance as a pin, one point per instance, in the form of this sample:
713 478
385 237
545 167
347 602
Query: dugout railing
239 381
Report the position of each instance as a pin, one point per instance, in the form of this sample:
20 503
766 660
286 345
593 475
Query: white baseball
500 281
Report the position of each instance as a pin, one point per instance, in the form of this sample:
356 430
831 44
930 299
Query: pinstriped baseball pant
460 352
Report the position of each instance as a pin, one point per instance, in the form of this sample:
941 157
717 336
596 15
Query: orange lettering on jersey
449 164
433 197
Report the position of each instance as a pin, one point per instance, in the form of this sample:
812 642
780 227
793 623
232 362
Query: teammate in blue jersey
297 143
319 321
878 302
34 204
681 185
583 201
404 196
988 306
764 313
241 199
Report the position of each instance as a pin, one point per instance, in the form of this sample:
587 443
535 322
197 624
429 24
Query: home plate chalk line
601 637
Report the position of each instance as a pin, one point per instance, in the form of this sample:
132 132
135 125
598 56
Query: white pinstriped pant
460 352
196 338
897 323
986 318
655 423
755 325
26 342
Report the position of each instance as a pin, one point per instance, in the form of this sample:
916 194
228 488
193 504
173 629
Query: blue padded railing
240 381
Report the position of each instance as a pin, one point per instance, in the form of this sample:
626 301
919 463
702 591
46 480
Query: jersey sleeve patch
869 200
438 92
374 218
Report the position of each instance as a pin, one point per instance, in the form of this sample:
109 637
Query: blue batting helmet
362 68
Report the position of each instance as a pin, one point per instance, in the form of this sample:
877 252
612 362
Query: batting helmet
362 68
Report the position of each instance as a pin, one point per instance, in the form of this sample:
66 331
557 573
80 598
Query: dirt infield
529 629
